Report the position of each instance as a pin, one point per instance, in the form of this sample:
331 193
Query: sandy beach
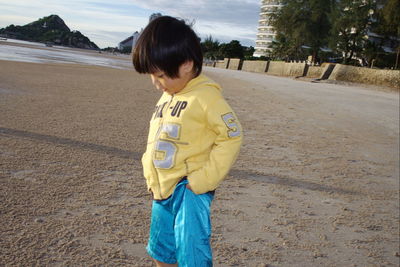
316 183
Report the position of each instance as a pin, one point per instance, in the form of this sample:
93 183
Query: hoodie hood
200 80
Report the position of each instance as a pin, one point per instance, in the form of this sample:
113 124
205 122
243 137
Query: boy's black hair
164 45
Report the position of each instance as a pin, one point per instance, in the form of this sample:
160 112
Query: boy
194 138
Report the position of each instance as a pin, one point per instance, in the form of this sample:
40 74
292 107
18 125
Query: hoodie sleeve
224 123
148 168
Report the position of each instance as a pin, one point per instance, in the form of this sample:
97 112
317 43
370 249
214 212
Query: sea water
40 53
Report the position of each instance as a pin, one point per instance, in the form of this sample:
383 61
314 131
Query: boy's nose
157 83
154 81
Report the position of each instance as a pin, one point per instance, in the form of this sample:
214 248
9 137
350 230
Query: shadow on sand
264 178
126 154
113 151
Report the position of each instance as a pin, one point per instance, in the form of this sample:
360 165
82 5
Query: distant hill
51 29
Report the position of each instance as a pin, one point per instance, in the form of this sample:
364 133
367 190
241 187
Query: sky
107 23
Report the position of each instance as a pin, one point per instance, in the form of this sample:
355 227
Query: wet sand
316 183
22 51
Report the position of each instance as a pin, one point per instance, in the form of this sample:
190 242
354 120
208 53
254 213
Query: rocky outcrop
50 30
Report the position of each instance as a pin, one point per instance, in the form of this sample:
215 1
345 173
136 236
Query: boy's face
173 85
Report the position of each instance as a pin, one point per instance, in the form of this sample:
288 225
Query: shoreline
122 61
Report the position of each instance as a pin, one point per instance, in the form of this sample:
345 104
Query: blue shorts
180 228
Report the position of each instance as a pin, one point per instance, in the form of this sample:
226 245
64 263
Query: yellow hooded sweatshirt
192 133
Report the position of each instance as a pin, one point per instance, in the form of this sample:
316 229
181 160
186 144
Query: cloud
5 19
107 23
230 19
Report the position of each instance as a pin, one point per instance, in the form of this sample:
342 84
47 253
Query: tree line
214 50
357 32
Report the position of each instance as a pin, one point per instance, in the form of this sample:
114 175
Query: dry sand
316 183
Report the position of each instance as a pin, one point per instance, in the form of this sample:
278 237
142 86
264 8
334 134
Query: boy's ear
187 67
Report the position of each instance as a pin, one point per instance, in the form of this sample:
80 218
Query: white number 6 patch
165 150
230 122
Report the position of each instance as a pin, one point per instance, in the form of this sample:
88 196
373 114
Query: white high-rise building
266 32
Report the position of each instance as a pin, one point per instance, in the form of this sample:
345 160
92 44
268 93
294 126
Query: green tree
210 48
351 21
301 23
389 26
391 17
248 52
284 48
233 49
